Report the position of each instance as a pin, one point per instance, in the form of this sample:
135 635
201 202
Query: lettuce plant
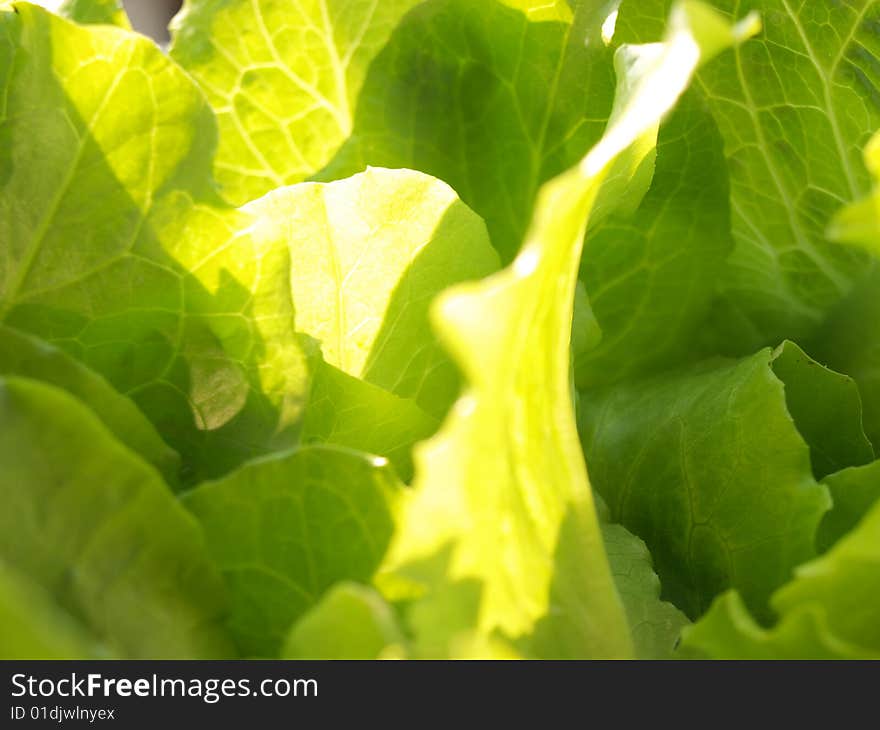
441 329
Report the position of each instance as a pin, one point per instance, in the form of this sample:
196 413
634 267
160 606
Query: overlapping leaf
854 491
491 101
105 12
80 521
542 9
496 102
171 296
712 468
284 529
34 626
651 274
266 333
181 302
795 108
728 631
348 412
24 356
500 540
283 78
850 340
827 612
850 343
368 256
655 624
351 622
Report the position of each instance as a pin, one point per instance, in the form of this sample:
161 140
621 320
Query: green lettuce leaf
655 625
829 610
854 492
496 104
496 119
34 626
826 409
728 631
29 357
251 289
103 12
286 528
499 541
186 305
284 79
859 223
368 255
850 340
543 9
178 301
651 274
795 108
850 343
351 621
845 583
99 12
95 527
348 412
708 468
491 101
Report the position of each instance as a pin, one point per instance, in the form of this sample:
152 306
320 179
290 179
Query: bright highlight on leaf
501 502
440 329
284 79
